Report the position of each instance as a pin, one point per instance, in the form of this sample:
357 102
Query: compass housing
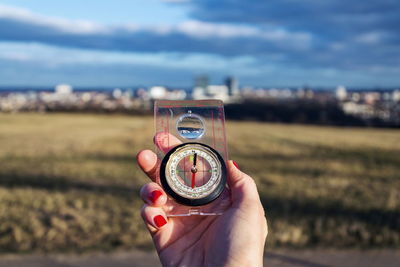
216 190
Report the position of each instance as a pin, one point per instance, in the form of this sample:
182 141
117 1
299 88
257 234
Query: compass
193 174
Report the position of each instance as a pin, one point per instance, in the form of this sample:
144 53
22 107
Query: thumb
243 188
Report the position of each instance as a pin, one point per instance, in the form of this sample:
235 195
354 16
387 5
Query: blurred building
228 92
201 82
396 95
63 89
158 92
233 86
117 93
341 93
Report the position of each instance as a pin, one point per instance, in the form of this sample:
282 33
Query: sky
283 43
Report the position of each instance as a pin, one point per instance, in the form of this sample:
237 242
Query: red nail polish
160 221
155 195
237 166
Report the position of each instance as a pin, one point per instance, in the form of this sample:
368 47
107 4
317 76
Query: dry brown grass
70 182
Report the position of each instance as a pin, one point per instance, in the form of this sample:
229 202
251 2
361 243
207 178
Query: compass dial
193 174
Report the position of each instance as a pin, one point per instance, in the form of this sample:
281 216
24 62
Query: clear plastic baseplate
173 119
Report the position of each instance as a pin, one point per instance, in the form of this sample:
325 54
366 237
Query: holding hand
235 238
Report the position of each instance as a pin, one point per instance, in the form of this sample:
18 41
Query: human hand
235 238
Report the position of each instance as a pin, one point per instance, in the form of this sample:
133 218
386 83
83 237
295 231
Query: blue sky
128 43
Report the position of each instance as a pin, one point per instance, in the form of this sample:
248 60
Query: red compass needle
194 170
193 179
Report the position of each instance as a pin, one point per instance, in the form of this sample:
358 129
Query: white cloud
205 30
175 1
337 46
192 28
372 38
200 29
70 26
56 56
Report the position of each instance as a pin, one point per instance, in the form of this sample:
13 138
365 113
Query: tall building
200 89
201 82
233 85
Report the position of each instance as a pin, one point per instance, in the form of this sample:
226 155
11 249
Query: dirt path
312 258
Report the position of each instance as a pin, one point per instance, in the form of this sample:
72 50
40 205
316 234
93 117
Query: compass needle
193 179
193 169
194 159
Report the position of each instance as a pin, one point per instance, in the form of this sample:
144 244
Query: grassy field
69 182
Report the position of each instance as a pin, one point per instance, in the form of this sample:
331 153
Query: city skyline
128 43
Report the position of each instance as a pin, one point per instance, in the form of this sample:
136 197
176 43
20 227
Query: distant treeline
289 111
299 111
99 110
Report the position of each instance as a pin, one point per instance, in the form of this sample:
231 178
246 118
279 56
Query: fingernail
160 221
237 166
155 195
